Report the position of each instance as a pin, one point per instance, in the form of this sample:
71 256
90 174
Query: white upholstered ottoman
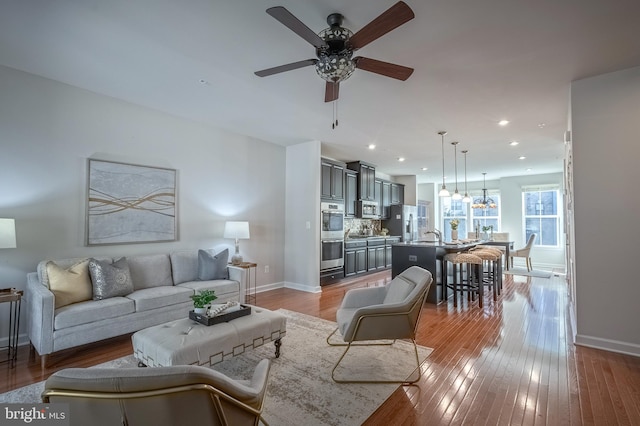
187 342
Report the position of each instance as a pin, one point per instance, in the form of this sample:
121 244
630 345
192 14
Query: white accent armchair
524 252
163 396
388 312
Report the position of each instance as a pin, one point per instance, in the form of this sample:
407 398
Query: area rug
532 273
300 389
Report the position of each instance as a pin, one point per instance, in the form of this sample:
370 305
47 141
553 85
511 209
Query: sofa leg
43 361
32 352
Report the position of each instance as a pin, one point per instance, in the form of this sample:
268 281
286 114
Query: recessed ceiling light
400 158
514 143
503 122
372 146
425 169
541 125
204 82
522 157
528 169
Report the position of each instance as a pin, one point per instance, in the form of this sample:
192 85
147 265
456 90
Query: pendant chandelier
443 191
466 198
456 195
485 202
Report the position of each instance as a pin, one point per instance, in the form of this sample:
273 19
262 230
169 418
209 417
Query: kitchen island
428 255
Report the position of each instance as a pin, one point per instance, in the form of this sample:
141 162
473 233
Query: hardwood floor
511 362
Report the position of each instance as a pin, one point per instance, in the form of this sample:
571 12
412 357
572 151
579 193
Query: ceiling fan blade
391 19
286 67
383 68
331 91
294 24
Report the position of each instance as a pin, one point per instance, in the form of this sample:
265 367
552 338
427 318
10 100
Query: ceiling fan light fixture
335 68
334 61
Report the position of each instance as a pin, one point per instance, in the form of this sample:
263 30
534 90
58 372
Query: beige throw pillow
70 285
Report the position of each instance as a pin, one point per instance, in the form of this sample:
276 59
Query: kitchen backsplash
362 226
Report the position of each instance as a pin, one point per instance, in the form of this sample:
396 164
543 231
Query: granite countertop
366 237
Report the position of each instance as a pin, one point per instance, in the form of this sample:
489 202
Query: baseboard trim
303 287
608 345
268 287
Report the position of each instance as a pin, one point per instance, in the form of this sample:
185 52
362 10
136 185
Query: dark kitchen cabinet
378 196
387 250
332 180
350 192
386 199
366 179
397 193
355 257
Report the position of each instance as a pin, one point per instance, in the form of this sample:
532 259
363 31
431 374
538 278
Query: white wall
302 225
605 134
49 129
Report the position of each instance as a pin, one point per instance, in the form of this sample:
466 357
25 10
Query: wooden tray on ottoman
226 317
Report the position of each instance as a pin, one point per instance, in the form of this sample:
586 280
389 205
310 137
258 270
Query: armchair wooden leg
43 361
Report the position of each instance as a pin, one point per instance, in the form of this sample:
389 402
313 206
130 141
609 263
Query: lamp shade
7 233
236 229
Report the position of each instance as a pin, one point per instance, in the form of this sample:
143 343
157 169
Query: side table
250 292
14 298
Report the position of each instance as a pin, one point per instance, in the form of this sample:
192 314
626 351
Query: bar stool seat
472 282
493 273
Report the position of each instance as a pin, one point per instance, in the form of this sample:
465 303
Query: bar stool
472 283
492 275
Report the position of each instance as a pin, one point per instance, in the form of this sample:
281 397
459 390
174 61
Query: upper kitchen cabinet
397 193
366 179
350 192
332 183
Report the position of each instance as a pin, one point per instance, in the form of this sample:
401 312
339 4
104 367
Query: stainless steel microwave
367 210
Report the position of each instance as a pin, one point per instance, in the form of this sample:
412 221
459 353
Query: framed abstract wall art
128 203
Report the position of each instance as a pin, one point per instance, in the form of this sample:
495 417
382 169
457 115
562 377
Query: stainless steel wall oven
331 236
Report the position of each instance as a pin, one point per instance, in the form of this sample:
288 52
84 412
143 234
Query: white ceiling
476 62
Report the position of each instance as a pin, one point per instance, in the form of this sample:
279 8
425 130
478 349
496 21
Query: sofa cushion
221 287
63 263
184 265
70 285
213 267
147 299
150 271
91 311
110 280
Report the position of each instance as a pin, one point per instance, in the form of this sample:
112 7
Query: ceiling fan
335 47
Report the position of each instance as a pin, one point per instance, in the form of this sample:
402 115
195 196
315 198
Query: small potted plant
202 300
454 228
485 230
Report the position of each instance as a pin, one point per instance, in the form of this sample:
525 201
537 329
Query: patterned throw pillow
110 280
212 267
70 285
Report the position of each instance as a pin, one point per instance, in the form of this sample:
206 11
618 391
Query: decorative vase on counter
454 234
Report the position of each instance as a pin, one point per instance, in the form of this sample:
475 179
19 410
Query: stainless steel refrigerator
403 222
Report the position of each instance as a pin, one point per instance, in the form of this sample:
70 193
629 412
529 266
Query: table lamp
237 230
8 233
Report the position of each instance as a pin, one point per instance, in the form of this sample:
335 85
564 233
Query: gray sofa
162 286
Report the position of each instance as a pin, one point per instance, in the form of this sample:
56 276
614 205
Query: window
541 216
454 209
